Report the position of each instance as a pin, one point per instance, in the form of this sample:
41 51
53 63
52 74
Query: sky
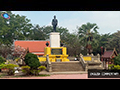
107 21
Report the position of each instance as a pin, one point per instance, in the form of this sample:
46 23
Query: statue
54 23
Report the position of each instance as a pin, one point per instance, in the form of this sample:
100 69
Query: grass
42 75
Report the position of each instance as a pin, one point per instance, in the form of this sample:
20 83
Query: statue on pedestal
54 23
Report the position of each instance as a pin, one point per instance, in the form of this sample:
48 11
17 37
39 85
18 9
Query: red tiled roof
34 46
107 54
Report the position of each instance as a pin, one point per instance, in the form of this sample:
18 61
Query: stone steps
66 66
95 65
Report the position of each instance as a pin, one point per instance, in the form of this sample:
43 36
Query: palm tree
86 34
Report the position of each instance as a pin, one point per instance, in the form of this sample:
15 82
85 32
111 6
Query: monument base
56 54
54 39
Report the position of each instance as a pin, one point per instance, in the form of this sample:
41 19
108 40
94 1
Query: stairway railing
84 64
49 66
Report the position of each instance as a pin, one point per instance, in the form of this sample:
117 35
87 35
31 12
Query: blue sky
107 21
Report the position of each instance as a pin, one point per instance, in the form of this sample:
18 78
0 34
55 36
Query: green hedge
10 67
26 70
114 67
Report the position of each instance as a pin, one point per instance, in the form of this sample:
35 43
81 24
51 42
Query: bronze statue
54 23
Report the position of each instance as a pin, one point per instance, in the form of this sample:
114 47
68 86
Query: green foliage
1 65
41 68
26 70
87 31
111 66
10 67
116 67
117 60
114 42
2 60
5 50
25 67
35 72
19 28
32 61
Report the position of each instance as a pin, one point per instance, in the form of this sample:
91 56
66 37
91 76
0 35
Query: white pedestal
54 39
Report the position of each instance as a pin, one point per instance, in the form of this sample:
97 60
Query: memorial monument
54 23
54 36
55 52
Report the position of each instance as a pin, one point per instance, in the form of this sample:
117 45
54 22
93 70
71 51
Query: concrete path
60 76
63 76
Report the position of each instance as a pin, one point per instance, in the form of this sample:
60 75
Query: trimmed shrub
1 65
41 68
10 68
116 67
26 70
111 66
32 61
35 72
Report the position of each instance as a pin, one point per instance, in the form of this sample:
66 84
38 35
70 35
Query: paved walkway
61 76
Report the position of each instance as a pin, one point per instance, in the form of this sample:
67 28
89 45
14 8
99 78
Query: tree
103 42
19 28
117 60
104 39
87 33
17 51
5 50
72 42
114 41
37 33
2 60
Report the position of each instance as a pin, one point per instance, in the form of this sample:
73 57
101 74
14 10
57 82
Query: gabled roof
34 46
108 54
